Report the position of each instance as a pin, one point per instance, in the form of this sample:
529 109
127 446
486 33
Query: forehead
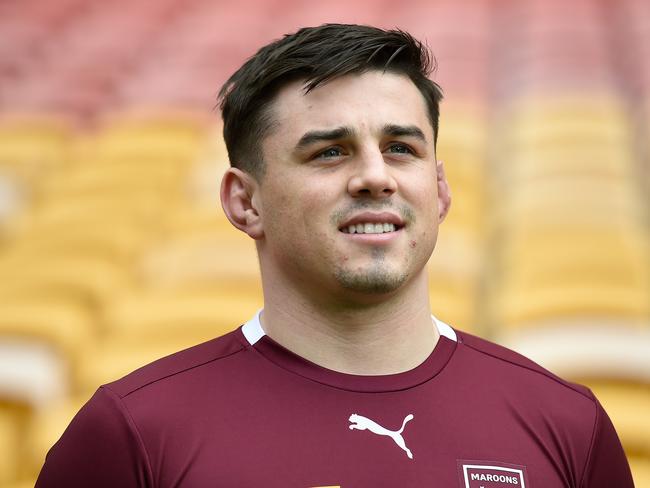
364 101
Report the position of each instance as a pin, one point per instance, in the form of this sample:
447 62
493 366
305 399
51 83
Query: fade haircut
315 55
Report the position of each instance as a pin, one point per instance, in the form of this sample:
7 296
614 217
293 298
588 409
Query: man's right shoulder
180 363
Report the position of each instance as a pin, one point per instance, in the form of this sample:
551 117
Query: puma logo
362 423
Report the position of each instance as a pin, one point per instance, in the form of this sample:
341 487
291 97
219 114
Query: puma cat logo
362 423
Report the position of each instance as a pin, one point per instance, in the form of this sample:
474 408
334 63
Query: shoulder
120 414
522 379
506 383
548 407
181 365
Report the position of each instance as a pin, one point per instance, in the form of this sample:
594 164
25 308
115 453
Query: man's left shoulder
505 365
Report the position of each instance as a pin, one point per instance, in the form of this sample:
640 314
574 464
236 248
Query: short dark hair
315 55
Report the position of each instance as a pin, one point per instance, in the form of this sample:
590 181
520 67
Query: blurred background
114 250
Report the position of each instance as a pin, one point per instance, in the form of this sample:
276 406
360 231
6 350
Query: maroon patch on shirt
489 474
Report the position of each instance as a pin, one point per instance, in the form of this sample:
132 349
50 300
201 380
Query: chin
379 281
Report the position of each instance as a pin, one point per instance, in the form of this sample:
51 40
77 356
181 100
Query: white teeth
370 228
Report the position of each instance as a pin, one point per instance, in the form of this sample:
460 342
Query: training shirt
243 411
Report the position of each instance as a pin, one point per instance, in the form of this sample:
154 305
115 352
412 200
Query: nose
371 176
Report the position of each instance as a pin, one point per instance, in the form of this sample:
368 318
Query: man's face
349 198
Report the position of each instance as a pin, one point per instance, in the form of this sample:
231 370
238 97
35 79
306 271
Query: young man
344 379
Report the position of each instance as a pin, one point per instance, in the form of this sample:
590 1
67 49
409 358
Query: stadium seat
155 140
628 405
46 338
85 280
640 466
561 203
207 257
44 428
114 358
33 146
185 314
9 440
615 255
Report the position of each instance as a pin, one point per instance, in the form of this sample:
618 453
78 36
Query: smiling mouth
370 228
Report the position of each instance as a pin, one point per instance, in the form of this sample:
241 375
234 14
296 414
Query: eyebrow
314 136
401 130
394 130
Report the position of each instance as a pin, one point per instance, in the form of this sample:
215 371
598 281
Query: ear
444 193
238 199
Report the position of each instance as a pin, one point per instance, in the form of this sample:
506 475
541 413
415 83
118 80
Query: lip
374 218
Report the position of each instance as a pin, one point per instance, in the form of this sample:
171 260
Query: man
344 379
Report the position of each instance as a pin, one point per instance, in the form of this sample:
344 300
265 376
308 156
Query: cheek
423 201
297 216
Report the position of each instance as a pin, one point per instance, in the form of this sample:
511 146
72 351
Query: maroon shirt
242 411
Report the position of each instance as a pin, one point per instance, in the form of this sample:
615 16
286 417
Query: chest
358 440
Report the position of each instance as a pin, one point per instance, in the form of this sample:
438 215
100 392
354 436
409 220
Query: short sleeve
100 448
607 465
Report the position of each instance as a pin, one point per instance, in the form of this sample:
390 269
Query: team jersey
243 411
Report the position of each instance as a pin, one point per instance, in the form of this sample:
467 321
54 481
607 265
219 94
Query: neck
386 335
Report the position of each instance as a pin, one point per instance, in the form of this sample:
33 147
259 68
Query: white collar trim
445 330
253 329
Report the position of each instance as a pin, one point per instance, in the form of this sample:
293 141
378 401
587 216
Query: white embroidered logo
362 423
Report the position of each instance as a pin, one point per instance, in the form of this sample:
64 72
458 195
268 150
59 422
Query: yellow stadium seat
584 348
567 273
9 446
578 202
156 139
454 272
628 405
518 307
196 217
570 254
85 280
543 137
33 146
118 242
456 305
89 178
461 146
23 483
220 257
538 117
464 126
587 162
542 268
172 314
569 130
640 470
113 358
45 427
132 207
62 326
465 174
